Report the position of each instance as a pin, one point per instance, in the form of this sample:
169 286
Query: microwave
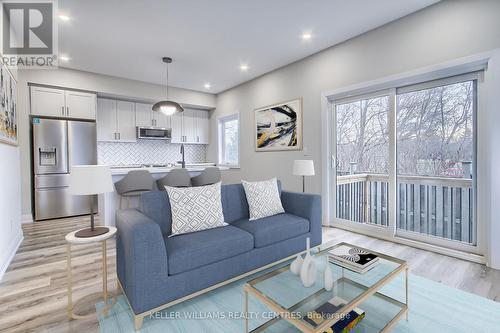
155 133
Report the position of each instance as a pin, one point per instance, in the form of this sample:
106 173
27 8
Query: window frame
221 121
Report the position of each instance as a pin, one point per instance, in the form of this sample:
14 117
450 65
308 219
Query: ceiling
209 40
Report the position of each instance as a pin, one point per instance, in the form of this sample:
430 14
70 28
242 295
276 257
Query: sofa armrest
307 206
141 256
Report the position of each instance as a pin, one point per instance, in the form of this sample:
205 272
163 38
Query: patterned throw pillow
195 208
263 198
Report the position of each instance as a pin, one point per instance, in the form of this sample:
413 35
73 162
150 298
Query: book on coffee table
329 309
353 258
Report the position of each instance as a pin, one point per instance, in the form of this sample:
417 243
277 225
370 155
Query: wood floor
33 290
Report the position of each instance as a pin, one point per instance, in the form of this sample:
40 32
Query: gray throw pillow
195 208
263 198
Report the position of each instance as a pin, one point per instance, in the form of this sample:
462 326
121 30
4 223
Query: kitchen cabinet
80 105
115 120
176 122
202 127
61 103
106 119
125 121
145 116
190 126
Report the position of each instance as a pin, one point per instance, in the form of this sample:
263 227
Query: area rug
434 307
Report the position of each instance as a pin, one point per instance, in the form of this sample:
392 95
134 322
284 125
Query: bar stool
175 178
135 183
209 176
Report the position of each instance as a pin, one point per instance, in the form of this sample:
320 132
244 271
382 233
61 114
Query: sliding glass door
362 160
404 162
435 161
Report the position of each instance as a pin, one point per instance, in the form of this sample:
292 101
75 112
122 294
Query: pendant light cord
167 81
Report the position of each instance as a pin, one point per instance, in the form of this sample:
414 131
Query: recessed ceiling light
64 18
244 67
207 85
64 58
306 36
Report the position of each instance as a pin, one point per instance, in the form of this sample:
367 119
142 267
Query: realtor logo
29 34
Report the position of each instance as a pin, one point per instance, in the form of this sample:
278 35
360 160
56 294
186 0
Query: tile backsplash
147 152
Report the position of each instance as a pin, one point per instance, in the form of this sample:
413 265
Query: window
229 141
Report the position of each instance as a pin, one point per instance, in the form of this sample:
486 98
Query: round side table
72 239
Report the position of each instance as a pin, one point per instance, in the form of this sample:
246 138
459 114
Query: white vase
308 269
296 265
328 276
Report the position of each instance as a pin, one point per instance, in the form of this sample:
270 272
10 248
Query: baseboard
10 253
26 218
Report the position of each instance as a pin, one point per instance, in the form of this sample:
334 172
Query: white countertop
190 167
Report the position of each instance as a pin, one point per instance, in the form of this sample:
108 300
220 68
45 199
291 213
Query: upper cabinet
62 103
115 120
202 126
190 126
145 116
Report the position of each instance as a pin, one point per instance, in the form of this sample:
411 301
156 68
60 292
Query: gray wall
103 84
445 31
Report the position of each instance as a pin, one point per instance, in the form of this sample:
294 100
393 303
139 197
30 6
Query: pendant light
167 107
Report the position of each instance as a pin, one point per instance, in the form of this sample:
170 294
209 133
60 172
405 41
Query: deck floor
33 292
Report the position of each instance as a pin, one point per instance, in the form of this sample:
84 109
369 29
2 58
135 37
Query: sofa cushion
188 251
274 229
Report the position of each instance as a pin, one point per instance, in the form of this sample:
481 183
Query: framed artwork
279 126
8 107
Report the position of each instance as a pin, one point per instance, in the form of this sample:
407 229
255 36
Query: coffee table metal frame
249 288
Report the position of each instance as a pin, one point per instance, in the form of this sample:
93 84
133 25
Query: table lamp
90 180
303 168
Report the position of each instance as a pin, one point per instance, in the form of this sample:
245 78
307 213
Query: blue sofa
154 269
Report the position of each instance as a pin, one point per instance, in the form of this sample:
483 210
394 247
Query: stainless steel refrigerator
56 146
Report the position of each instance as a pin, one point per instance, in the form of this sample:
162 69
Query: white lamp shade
303 168
90 179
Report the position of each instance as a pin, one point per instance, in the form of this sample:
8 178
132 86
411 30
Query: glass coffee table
381 293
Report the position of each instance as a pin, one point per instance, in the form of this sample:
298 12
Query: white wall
10 203
443 32
103 84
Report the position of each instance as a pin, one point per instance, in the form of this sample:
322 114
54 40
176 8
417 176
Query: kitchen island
109 203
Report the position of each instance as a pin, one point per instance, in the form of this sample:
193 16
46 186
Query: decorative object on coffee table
308 269
303 168
90 180
296 265
328 276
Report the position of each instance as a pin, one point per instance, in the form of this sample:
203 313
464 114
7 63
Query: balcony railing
436 206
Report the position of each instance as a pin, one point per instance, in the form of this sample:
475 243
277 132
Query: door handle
119 136
197 139
67 110
62 110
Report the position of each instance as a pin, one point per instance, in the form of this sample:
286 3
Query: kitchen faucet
183 162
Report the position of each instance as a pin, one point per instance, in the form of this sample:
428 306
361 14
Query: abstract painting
8 111
279 127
